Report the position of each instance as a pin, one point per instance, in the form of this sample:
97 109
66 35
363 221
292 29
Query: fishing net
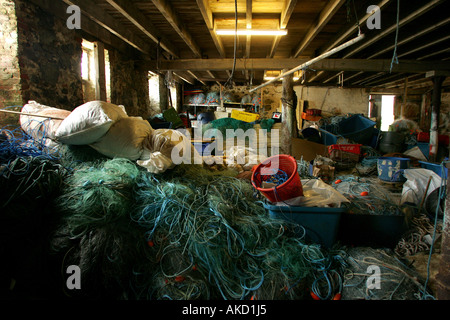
367 196
224 124
189 233
396 281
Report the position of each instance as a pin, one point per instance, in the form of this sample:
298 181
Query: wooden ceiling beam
286 13
134 15
373 65
325 15
414 15
345 34
248 16
96 14
206 12
412 37
174 20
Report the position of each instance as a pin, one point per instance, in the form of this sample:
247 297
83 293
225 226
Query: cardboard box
309 150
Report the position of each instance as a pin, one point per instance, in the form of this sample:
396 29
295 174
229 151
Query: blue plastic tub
356 128
321 225
391 169
435 167
328 138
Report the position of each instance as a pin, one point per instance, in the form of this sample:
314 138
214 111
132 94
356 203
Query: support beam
443 276
248 42
435 111
288 130
105 20
99 64
167 11
325 15
203 5
378 65
286 13
134 15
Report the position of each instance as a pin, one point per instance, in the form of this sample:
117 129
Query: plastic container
435 167
391 142
328 138
291 188
390 169
342 156
244 116
374 230
356 128
320 225
352 148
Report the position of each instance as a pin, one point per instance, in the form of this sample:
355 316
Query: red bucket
274 165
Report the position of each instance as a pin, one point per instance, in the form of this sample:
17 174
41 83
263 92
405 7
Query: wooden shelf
201 105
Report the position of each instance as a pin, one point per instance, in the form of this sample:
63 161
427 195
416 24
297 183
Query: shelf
201 105
239 104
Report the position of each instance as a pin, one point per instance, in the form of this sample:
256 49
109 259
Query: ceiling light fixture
251 32
272 74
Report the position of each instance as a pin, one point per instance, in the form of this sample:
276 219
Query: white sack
417 180
89 122
124 139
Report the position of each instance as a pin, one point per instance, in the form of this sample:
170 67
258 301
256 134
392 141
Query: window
387 111
89 74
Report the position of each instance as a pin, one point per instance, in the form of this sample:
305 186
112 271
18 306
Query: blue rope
394 57
442 193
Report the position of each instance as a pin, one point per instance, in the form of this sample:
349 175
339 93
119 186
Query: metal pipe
31 114
312 61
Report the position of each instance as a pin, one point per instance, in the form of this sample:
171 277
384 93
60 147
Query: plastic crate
343 156
244 116
321 225
352 148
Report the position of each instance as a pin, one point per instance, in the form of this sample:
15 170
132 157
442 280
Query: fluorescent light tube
251 32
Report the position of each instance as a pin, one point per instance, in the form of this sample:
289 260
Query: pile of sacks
107 128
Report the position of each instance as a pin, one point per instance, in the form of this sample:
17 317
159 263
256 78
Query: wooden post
435 110
443 277
288 114
100 81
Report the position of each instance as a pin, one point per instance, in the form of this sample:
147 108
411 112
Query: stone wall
10 88
334 100
129 85
49 58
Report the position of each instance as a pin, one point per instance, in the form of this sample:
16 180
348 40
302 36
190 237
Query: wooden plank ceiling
178 31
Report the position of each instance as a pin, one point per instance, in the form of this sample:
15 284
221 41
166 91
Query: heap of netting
190 233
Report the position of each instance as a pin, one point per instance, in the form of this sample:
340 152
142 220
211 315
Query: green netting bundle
213 223
96 194
223 124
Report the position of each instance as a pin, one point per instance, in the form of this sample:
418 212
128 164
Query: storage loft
248 151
